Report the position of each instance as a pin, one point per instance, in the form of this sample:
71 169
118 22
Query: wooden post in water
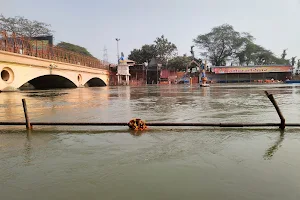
28 125
282 119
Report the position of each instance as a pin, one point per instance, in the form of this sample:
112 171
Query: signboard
258 69
123 70
194 70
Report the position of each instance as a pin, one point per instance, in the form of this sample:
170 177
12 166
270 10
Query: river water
163 162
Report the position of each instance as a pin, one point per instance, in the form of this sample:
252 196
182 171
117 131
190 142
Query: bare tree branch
25 27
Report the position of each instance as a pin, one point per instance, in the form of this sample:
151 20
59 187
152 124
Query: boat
292 81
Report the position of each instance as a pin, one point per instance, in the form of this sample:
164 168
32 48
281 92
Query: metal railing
41 49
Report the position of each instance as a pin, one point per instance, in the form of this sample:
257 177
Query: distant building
138 74
120 75
27 45
168 76
123 74
153 71
128 62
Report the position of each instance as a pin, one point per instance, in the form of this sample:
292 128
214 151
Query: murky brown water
162 163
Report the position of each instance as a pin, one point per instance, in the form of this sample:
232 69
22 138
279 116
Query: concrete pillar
127 79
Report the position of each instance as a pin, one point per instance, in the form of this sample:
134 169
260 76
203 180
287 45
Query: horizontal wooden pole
212 124
64 124
12 123
148 124
79 124
293 124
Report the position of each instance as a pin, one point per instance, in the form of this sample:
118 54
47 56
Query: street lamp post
146 67
118 39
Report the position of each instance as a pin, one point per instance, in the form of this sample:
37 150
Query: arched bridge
18 70
36 62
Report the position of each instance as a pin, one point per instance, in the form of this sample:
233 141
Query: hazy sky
94 24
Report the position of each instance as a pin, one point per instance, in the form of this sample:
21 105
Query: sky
95 24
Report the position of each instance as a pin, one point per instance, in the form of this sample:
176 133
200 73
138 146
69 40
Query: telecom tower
105 56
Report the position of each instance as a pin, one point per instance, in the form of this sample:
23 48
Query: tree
249 54
165 49
25 27
293 60
179 63
222 43
264 57
283 54
162 49
149 52
74 48
136 55
145 54
258 55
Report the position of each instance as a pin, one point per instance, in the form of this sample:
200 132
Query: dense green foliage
257 55
221 43
161 49
165 50
145 54
224 44
74 48
179 63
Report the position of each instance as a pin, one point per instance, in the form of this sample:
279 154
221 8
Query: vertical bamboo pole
42 49
282 123
36 49
28 125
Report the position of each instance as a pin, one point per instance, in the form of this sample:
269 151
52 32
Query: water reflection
50 94
28 148
137 133
273 149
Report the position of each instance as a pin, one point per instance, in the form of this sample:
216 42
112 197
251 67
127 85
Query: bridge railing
41 49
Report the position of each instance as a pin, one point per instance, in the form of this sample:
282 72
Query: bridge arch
50 81
95 82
